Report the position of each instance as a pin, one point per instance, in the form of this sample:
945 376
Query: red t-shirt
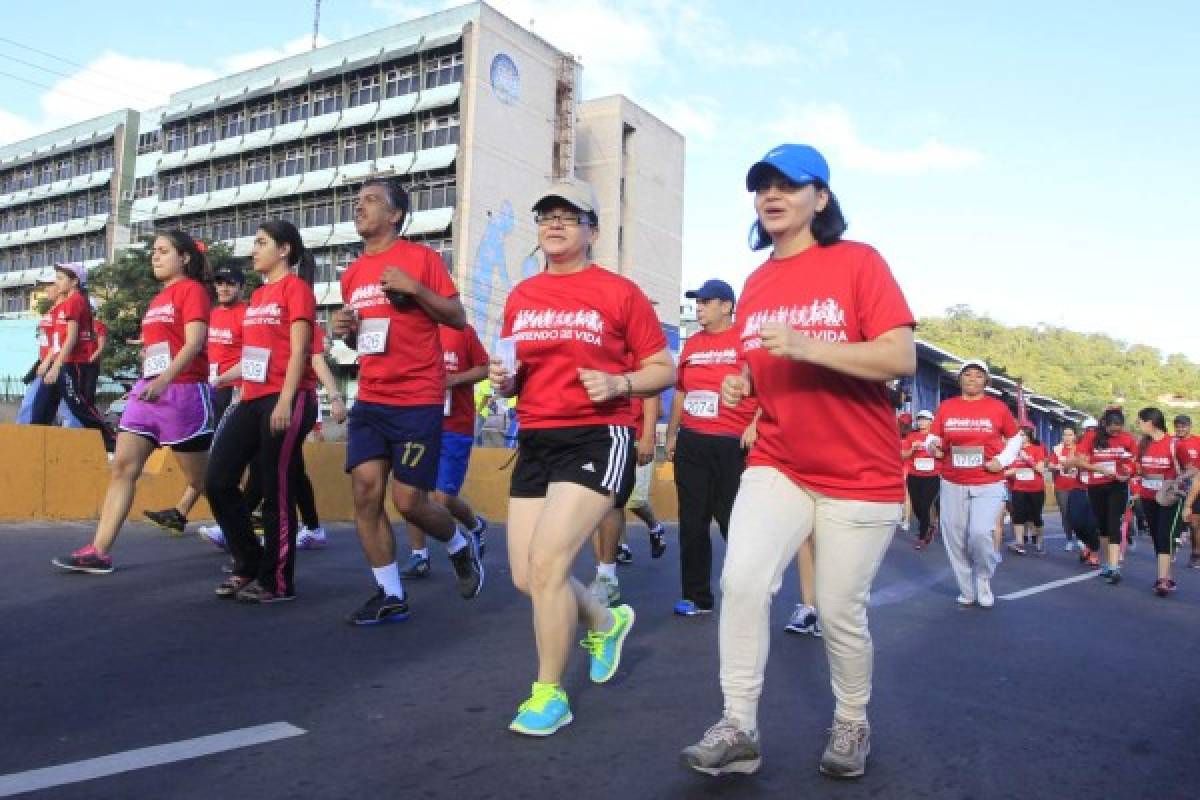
705 361
1065 480
461 351
166 318
594 319
921 462
225 338
99 329
268 327
825 430
75 308
1028 465
1156 465
1189 451
404 368
1120 453
45 334
973 432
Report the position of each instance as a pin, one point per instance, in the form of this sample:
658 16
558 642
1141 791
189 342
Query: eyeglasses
566 219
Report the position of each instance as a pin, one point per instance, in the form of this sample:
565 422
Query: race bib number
446 405
255 361
1153 482
1025 474
372 335
924 464
158 358
966 457
701 404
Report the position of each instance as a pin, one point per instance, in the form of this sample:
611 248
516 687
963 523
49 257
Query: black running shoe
480 534
380 608
257 524
468 568
658 542
624 554
169 520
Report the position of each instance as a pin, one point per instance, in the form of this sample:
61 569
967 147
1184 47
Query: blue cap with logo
712 289
800 163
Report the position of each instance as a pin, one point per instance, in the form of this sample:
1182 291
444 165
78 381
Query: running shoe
605 647
804 621
1093 560
1013 547
606 590
964 601
724 748
1113 576
214 534
846 754
658 541
1194 562
983 592
1069 546
1171 585
919 544
624 554
418 566
1039 547
480 533
380 607
85 559
1161 587
686 608
170 520
254 592
311 538
468 569
232 585
544 713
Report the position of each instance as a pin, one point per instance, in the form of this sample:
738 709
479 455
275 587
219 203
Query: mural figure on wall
489 268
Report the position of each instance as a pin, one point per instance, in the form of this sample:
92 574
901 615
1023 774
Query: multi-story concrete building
471 111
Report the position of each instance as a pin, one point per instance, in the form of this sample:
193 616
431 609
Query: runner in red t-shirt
397 293
64 368
45 341
267 426
579 342
466 365
1158 465
1028 488
1189 460
172 404
96 345
1075 522
1108 455
923 476
823 327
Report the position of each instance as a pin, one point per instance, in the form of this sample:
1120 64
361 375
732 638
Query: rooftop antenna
316 21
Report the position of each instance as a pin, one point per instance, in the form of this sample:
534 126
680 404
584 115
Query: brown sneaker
846 754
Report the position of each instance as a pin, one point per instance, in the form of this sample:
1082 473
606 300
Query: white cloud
831 128
695 117
265 55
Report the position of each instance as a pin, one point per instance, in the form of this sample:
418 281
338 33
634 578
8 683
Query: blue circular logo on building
506 80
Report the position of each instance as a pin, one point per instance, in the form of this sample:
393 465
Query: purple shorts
183 412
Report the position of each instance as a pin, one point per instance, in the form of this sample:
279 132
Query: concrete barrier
59 473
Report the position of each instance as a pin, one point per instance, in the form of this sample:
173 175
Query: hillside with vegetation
1085 370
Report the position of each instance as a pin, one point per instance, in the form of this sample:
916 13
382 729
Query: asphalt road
1084 690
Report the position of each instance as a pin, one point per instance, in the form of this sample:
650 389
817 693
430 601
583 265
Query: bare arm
446 311
472 376
673 422
888 356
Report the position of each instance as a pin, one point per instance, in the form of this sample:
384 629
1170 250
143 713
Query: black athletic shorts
600 457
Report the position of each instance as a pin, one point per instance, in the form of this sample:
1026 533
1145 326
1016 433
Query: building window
256 170
443 70
262 116
27 178
232 124
173 190
293 108
202 132
66 169
322 155
324 262
222 226
439 131
290 162
364 89
227 175
398 139
176 138
101 204
345 208
197 182
326 101
45 174
79 207
145 186
359 147
438 193
148 142
401 81
320 213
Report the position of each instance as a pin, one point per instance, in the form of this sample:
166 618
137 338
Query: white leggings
771 518
968 519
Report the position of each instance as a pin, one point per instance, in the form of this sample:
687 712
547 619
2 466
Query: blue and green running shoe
543 713
605 647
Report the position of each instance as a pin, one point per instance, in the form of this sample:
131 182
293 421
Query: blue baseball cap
800 163
711 289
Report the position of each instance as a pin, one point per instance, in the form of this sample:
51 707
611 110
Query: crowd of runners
781 429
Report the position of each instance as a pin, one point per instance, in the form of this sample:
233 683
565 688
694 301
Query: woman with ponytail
1157 467
172 404
277 410
1108 453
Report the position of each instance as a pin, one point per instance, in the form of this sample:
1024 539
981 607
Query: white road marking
89 769
1045 587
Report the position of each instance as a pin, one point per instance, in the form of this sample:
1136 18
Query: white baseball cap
924 414
977 363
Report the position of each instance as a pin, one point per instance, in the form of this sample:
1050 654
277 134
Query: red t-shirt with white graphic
825 430
973 432
1028 462
461 351
166 319
705 361
268 325
45 334
93 342
1065 479
225 337
1189 451
920 462
75 308
1156 466
1120 454
592 319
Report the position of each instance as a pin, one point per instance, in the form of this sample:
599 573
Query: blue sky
1036 161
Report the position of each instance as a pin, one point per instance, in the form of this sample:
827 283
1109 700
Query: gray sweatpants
968 518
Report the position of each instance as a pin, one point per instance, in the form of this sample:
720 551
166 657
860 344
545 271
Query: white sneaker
983 588
311 538
904 526
963 600
214 534
804 621
606 591
1069 546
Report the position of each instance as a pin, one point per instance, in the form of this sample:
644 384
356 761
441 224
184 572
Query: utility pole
316 21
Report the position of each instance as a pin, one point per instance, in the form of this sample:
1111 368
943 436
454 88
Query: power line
32 49
140 98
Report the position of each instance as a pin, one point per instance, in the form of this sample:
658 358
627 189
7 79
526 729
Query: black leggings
246 438
70 388
1163 523
708 471
1079 519
1108 504
923 491
1027 508
306 501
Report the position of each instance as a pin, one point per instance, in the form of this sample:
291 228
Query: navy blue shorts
452 467
410 437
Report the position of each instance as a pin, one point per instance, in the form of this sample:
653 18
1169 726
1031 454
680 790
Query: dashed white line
1045 587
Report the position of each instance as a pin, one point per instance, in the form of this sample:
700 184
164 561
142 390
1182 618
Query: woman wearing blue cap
823 325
